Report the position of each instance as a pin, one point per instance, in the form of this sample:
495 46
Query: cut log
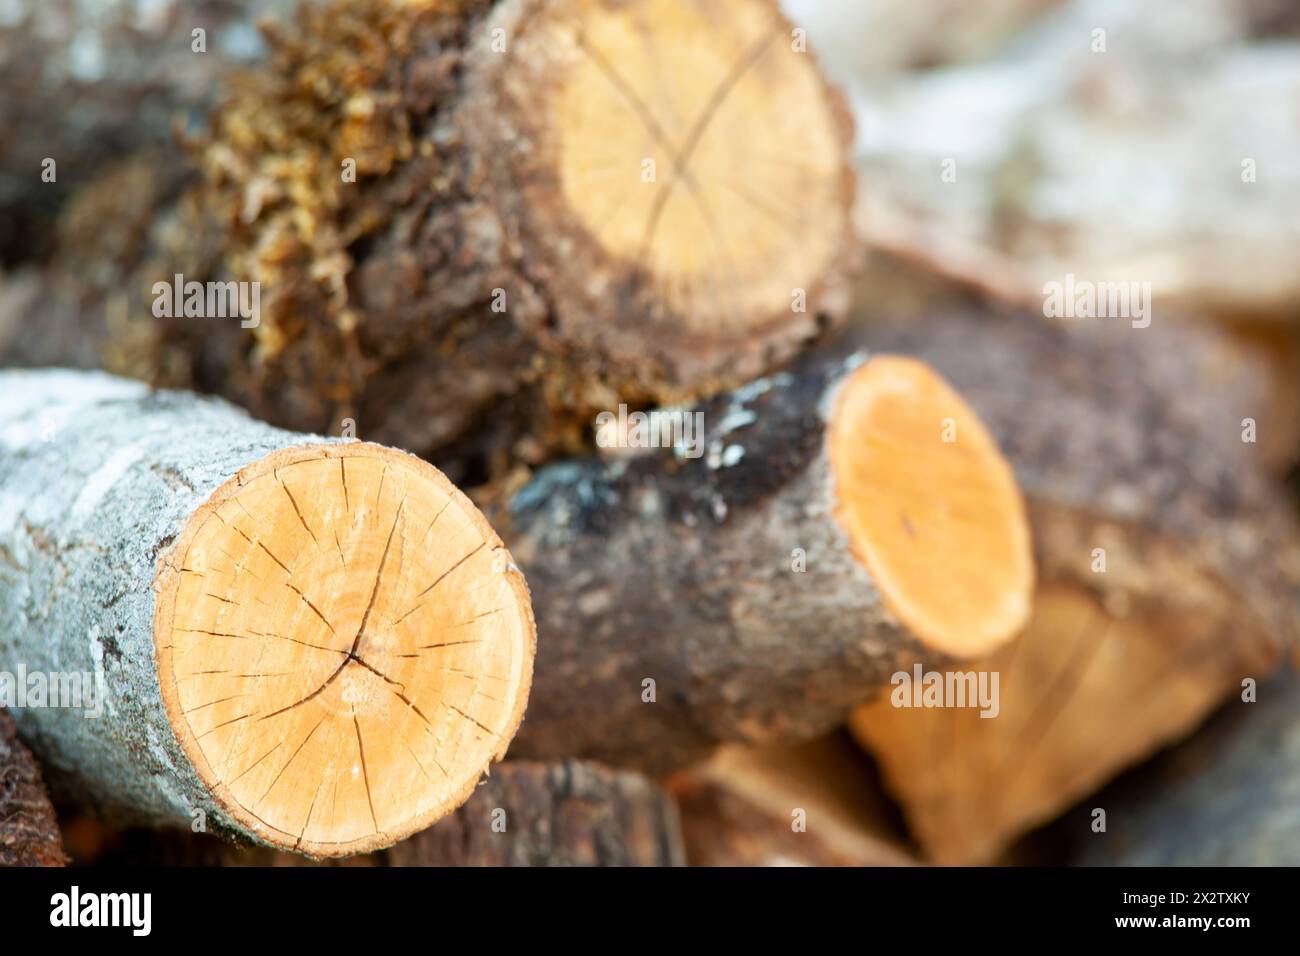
539 205
1167 567
1226 797
524 814
320 646
841 520
811 804
29 832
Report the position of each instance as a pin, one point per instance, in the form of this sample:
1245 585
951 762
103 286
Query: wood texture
1128 440
757 591
317 645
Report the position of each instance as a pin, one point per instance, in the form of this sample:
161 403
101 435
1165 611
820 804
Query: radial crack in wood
335 644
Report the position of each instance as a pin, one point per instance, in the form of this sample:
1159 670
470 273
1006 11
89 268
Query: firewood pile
649 433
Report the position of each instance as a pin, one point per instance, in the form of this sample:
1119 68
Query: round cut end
343 646
689 155
931 507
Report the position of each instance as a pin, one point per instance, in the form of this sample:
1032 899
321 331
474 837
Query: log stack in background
563 205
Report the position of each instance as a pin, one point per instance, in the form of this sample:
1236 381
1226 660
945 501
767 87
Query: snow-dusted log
317 645
841 520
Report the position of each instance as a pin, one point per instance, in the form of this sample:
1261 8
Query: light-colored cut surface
931 507
339 650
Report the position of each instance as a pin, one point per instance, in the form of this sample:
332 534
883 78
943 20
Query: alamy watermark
208 300
72 690
1085 299
921 688
662 428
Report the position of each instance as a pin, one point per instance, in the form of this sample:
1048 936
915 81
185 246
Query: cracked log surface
827 535
502 263
1128 440
29 832
568 813
317 645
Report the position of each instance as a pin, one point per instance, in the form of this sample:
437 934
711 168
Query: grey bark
681 571
97 477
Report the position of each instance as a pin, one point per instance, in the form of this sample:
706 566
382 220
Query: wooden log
29 832
483 221
810 804
1226 797
843 519
320 646
1167 567
524 814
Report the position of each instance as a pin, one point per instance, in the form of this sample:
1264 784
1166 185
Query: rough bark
108 486
561 814
457 292
673 591
1128 440
29 832
1226 797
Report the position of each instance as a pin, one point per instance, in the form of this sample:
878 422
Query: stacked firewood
499 433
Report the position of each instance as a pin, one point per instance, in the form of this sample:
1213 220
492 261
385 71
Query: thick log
523 814
320 646
29 832
756 592
1129 441
450 247
1226 797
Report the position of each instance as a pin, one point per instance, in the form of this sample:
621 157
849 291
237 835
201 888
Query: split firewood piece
808 535
1225 797
29 832
524 814
447 203
809 804
318 646
1167 568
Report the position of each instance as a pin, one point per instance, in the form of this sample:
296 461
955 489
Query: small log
29 832
320 646
842 519
450 249
1226 797
523 814
811 804
1167 566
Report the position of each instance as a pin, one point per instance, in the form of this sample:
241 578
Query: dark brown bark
440 299
29 832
